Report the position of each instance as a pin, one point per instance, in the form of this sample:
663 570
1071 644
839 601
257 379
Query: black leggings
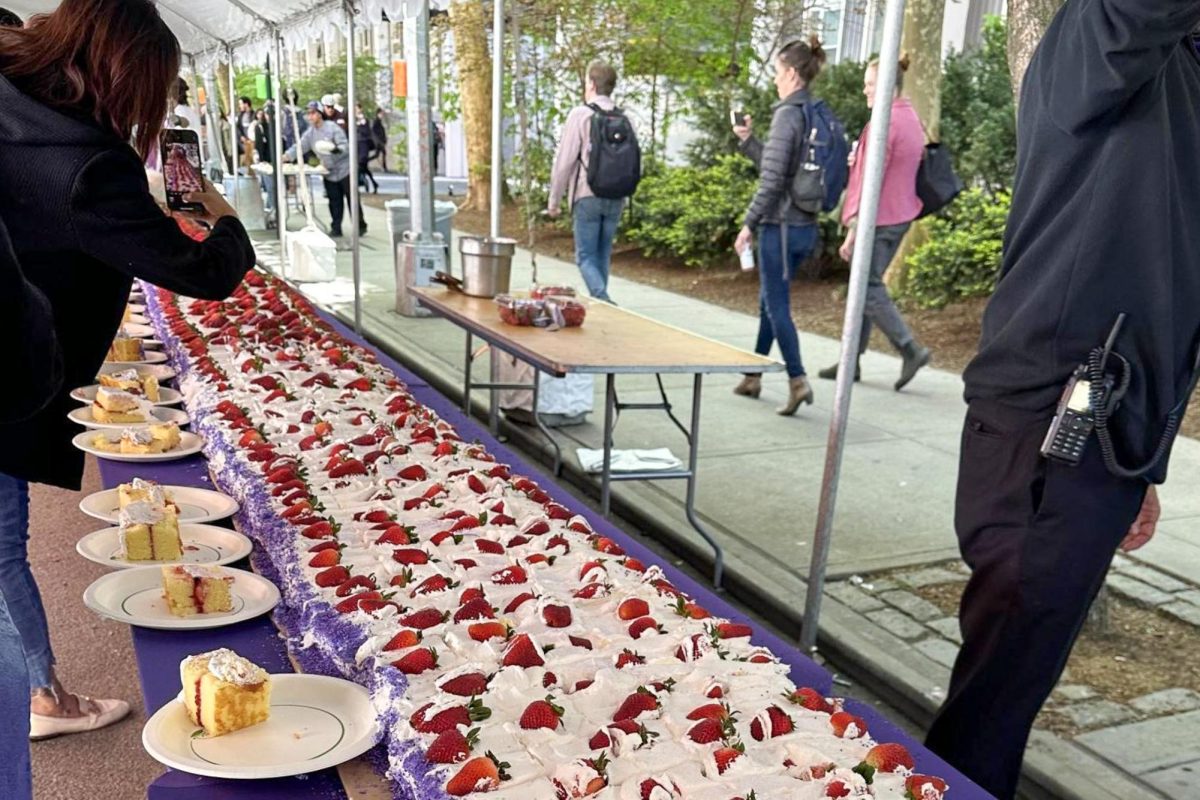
364 174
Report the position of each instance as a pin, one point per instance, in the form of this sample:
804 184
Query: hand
846 251
743 131
1144 526
745 238
553 212
215 206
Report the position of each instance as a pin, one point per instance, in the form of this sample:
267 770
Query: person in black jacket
772 211
379 137
1105 221
83 224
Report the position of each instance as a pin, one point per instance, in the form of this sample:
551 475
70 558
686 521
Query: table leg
537 420
466 401
494 393
610 402
690 503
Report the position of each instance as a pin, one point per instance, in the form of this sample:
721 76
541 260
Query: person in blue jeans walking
594 218
773 213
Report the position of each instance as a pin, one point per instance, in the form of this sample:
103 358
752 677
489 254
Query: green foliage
962 256
978 117
693 213
710 111
332 80
841 87
541 160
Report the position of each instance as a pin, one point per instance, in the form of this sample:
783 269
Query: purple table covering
159 652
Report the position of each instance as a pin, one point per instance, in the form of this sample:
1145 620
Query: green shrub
962 256
841 87
692 213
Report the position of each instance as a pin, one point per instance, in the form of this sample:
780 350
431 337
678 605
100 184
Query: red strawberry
354 602
780 723
417 661
592 590
579 641
642 625
541 714
923 787
636 704
633 564
474 609
548 680
477 775
411 555
469 685
888 757
628 657
519 601
733 630
842 722
469 594
538 527
444 449
475 711
414 472
724 757
522 652
706 731
510 575
357 582
633 608
432 585
811 699
686 608
557 616
556 511
403 640
592 565
451 747
351 466
837 789
604 544
515 541
475 484
715 711
488 546
424 619
334 576
325 558
599 741
482 631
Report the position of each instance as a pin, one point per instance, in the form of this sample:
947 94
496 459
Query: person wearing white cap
332 113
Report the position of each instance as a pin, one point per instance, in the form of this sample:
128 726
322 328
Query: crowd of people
83 113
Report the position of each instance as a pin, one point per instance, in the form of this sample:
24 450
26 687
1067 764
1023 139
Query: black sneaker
915 357
830 373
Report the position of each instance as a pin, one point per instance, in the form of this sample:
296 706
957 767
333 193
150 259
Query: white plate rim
229 507
138 319
153 357
76 416
244 547
184 450
196 623
175 397
163 372
340 754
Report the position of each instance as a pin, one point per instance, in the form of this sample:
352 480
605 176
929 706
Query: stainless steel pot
486 265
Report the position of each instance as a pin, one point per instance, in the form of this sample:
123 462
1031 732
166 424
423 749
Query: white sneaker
103 713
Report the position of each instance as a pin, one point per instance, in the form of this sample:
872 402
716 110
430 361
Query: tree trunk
468 22
1027 21
922 41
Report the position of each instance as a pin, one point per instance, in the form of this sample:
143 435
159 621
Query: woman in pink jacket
898 207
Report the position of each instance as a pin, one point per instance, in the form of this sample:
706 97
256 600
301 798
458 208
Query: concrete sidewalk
758 492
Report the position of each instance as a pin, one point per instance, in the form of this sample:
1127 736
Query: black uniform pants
338 194
1039 537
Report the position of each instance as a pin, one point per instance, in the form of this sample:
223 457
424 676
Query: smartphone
738 118
182 175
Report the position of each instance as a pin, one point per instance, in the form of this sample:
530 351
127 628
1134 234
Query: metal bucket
486 265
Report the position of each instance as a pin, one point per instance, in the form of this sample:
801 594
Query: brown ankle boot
799 392
751 386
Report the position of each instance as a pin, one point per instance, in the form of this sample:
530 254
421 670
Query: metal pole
352 134
868 210
417 111
281 205
497 111
233 131
194 99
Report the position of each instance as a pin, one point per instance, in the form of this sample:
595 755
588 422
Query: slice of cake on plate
117 406
132 381
224 692
191 589
149 532
126 348
158 438
140 490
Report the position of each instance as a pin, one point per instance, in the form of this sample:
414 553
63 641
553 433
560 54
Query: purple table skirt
158 653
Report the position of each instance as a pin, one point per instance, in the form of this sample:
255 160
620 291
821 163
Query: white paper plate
316 722
134 596
160 371
151 357
138 331
83 416
202 544
189 444
195 505
138 319
136 308
166 395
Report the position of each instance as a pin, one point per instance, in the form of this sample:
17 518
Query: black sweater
1105 216
83 224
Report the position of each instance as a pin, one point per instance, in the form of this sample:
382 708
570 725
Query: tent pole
233 131
281 206
881 114
352 135
497 112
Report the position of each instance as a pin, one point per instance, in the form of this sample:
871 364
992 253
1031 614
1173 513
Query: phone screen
181 167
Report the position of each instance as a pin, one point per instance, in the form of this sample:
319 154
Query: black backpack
614 158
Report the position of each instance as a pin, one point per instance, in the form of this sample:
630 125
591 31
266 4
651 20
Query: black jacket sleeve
752 149
775 163
116 221
27 324
1105 51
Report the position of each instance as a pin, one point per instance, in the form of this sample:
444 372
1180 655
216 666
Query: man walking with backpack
597 166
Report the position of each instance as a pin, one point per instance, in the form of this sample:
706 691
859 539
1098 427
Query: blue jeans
16 781
18 590
774 297
595 221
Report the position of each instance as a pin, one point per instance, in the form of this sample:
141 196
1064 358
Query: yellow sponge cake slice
192 589
224 692
149 532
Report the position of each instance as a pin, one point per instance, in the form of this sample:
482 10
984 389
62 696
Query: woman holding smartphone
77 87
